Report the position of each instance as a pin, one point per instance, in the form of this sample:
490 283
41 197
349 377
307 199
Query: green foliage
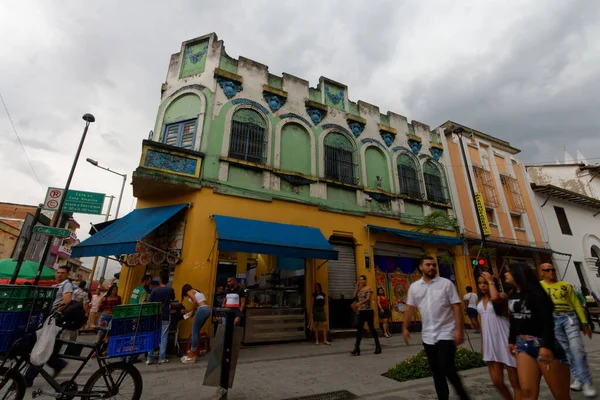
438 220
417 366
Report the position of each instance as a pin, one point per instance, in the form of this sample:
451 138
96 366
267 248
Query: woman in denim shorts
531 336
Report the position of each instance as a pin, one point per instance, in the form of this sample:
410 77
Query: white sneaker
576 385
589 390
149 362
165 361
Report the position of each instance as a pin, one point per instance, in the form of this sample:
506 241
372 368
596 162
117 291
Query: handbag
44 346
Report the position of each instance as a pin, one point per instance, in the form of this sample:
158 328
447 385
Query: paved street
301 369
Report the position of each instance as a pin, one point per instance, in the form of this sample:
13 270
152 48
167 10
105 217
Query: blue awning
121 237
252 236
419 236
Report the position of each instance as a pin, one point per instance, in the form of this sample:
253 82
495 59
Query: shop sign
482 214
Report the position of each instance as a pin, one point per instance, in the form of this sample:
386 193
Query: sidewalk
300 369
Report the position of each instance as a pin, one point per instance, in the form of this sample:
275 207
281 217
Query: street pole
105 219
121 196
25 247
459 131
88 118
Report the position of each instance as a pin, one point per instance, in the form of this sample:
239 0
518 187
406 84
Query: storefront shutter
342 272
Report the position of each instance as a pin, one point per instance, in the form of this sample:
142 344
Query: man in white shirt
470 302
442 325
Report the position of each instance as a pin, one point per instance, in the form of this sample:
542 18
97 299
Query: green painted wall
194 59
228 64
413 213
376 166
300 192
314 95
384 119
276 81
342 199
243 177
295 149
353 108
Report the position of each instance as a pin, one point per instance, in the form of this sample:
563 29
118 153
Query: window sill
516 213
520 230
492 224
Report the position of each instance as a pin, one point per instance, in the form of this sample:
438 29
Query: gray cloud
523 71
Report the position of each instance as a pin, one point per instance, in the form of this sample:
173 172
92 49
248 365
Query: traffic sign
84 202
77 201
46 230
53 196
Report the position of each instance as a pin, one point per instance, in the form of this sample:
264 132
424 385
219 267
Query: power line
20 143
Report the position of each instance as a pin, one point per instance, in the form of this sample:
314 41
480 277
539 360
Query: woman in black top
319 317
531 336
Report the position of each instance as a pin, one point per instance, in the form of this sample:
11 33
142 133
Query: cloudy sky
524 71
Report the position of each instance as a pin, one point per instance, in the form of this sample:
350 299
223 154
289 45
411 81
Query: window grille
485 185
409 176
513 194
339 159
434 183
181 134
248 137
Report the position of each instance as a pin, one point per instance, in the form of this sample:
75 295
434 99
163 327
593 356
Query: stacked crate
134 329
23 309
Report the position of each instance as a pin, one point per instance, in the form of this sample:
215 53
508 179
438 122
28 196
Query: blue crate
7 338
124 345
128 326
22 321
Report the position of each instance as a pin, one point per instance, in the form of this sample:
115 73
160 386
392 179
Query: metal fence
410 184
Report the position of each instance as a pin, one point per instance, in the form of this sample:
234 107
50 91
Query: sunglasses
549 270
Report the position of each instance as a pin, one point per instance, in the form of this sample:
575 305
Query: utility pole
88 118
458 130
111 198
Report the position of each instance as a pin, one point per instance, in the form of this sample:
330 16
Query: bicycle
109 381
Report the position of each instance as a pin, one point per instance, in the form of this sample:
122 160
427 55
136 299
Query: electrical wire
20 143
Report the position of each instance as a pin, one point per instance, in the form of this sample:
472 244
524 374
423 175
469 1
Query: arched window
409 176
434 183
339 158
248 140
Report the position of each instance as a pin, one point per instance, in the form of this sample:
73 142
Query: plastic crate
44 292
15 291
7 338
19 305
22 321
133 310
124 345
128 326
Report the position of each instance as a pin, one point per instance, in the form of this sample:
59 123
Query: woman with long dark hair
363 294
319 317
531 336
493 309
385 312
107 304
201 313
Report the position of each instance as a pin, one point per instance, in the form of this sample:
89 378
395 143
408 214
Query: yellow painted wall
198 267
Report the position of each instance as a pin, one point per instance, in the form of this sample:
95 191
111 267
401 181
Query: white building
568 195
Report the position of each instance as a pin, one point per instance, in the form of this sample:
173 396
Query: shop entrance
341 275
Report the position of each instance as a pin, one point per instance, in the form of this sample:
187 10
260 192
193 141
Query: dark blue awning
252 236
122 235
419 236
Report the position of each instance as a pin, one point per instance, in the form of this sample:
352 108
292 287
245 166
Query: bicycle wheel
12 384
126 379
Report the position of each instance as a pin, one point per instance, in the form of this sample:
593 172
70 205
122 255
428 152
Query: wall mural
395 274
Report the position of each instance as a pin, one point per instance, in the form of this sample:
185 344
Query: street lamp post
88 118
124 176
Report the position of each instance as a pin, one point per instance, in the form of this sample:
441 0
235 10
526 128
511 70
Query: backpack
72 317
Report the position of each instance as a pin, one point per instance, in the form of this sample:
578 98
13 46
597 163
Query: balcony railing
166 168
64 252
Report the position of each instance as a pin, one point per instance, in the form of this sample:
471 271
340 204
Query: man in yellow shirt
568 319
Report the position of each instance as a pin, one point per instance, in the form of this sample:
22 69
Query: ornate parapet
230 83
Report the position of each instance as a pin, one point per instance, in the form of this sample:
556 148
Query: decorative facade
232 139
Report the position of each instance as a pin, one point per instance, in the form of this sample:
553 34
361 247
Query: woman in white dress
493 309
